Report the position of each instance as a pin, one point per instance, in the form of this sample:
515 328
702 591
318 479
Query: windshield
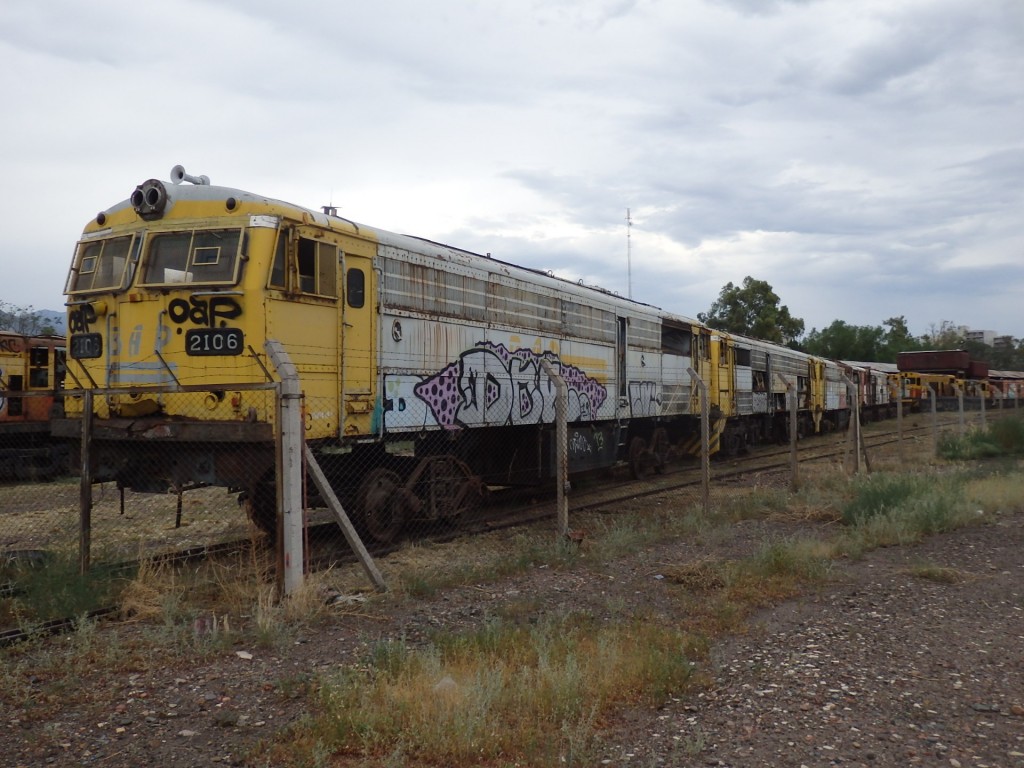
100 265
196 256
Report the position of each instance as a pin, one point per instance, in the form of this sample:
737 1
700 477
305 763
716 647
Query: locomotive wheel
660 447
382 504
449 491
261 507
639 458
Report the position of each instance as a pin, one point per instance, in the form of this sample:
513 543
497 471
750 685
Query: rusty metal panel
519 305
587 321
441 289
934 360
645 334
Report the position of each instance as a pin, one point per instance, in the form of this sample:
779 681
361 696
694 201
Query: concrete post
705 441
561 446
289 469
85 488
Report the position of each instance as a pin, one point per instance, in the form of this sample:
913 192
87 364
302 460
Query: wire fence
163 473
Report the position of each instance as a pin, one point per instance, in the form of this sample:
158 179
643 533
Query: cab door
702 365
358 343
302 312
723 367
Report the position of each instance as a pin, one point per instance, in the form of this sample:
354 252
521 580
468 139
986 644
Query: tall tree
897 339
753 309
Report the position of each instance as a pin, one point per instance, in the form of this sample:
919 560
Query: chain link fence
133 483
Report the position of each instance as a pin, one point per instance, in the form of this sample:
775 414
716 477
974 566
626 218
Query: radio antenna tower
629 256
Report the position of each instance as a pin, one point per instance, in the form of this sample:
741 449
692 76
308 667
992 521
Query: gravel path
878 667
882 668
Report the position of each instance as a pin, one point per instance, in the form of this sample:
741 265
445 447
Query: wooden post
349 530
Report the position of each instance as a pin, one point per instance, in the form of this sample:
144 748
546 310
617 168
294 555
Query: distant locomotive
31 374
423 367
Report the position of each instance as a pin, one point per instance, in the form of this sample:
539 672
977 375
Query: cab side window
308 266
355 288
318 267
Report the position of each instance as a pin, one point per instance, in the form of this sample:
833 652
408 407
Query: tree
24 320
862 343
841 341
1007 355
753 310
897 339
945 336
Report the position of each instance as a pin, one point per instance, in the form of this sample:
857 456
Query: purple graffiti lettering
491 384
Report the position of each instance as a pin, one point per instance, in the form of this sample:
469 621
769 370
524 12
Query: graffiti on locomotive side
644 398
493 384
585 444
11 346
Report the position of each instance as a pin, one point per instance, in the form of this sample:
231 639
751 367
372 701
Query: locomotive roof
201 190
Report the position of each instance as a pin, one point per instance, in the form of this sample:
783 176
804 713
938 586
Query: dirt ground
876 666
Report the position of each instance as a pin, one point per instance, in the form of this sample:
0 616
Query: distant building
982 337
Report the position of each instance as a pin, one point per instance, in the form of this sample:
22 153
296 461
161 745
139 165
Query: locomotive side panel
462 346
644 385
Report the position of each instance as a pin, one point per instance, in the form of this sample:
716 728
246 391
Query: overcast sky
864 157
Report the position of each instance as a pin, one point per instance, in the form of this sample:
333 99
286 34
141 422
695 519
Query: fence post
349 530
960 406
705 442
899 427
853 393
794 429
981 399
935 423
289 468
85 487
561 446
793 397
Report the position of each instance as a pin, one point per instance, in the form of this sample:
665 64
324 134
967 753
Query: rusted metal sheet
934 360
977 369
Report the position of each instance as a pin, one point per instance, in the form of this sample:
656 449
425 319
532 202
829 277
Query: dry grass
515 690
940 574
529 694
703 574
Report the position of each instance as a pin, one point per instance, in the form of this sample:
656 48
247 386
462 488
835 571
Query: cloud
863 158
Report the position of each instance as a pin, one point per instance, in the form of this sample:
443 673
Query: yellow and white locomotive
424 368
